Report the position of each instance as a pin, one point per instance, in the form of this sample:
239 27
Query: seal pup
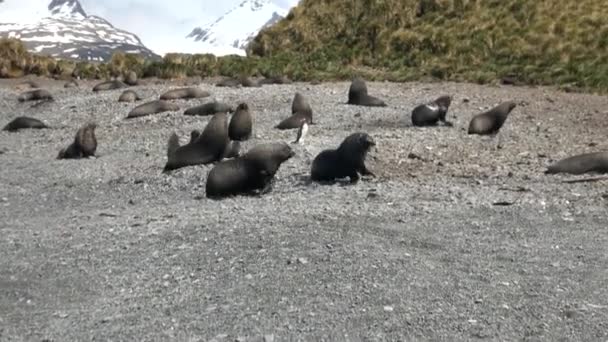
131 78
249 174
109 85
431 113
209 147
241 123
84 145
34 95
491 121
71 84
348 160
184 93
300 110
357 95
301 133
129 96
152 107
23 122
580 164
209 108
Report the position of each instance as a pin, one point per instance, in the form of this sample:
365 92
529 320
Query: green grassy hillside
532 41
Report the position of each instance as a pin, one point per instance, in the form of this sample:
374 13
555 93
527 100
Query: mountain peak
66 7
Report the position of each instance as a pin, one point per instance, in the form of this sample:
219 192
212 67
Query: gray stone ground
111 249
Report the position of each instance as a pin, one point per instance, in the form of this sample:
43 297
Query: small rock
388 308
269 338
302 261
248 277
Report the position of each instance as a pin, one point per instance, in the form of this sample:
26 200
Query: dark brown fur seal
153 107
357 95
209 108
300 111
131 78
249 174
184 93
34 95
109 85
580 164
491 121
247 82
348 160
431 113
84 145
229 82
209 147
241 123
129 96
23 122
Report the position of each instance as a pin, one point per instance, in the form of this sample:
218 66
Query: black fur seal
348 160
153 107
34 95
109 85
241 123
129 96
209 147
491 121
209 108
131 78
580 164
184 93
431 113
23 122
300 111
84 145
357 95
249 174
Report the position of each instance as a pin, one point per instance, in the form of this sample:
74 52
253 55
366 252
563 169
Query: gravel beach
457 238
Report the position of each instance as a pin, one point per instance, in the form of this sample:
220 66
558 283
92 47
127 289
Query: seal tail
172 145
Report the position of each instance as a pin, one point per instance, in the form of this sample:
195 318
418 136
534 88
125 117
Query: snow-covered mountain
231 32
61 28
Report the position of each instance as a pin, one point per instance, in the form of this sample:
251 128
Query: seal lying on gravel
34 95
241 124
209 108
300 111
275 80
249 174
346 161
245 82
84 145
23 122
153 107
582 163
71 84
129 96
184 93
357 95
491 121
208 147
431 113
109 85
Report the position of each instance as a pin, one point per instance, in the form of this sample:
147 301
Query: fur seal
209 147
348 160
301 133
109 85
184 93
491 121
152 107
300 111
275 80
357 95
233 150
129 96
249 83
249 174
431 113
131 78
71 84
23 122
240 124
582 163
229 82
34 95
84 145
209 108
